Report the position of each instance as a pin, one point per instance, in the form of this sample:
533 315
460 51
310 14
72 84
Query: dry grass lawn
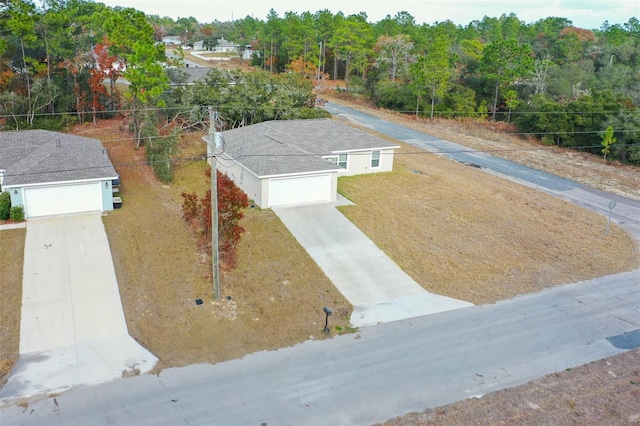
467 234
12 248
277 292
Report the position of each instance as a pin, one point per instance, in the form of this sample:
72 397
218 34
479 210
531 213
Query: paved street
390 369
381 372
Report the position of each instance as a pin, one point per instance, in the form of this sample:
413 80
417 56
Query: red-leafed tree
107 67
231 201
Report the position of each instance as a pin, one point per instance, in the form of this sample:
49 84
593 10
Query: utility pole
215 255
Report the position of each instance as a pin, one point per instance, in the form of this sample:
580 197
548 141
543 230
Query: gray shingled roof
295 146
195 74
39 156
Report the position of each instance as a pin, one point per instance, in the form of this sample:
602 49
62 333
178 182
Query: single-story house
290 162
221 46
51 173
225 46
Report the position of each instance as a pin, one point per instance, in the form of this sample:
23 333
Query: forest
572 87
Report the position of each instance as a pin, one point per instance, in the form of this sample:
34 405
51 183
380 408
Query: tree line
562 84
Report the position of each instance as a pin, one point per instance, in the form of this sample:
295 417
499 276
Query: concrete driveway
72 329
375 285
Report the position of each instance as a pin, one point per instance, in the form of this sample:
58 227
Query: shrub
17 214
5 205
159 151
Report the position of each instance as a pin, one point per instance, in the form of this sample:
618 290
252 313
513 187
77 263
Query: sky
588 14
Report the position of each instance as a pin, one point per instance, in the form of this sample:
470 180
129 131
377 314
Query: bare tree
396 51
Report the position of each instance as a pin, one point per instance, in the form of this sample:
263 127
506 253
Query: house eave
346 151
283 175
62 182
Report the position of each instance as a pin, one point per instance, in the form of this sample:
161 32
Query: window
339 160
375 159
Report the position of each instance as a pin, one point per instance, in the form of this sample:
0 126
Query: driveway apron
376 286
72 329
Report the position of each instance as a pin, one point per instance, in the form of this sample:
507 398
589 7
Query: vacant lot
464 233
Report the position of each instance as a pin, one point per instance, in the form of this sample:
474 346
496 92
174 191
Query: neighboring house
50 173
291 162
188 76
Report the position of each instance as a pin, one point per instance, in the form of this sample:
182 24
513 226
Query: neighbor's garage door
46 201
299 190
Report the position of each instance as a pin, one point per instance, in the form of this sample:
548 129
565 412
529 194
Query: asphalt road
386 370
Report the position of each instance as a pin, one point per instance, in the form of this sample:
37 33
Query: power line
266 107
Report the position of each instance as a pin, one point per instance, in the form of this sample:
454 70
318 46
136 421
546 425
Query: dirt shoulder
604 392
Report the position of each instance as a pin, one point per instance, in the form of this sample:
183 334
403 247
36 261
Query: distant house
222 46
51 173
172 40
225 46
291 162
198 45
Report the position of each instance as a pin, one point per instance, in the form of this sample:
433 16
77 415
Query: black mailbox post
328 312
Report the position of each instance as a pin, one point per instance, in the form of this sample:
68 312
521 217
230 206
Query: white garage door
299 190
62 199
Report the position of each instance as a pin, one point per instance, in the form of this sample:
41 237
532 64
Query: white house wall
107 195
359 162
245 180
257 189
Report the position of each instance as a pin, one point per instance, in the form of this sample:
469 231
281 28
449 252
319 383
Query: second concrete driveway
72 330
376 287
